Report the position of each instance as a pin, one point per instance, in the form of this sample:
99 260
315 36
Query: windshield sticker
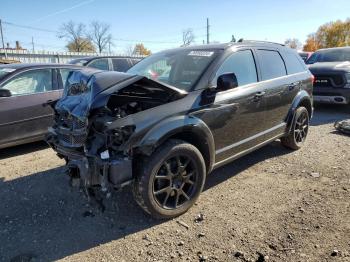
201 53
8 70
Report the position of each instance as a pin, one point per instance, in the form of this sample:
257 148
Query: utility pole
207 30
33 44
2 39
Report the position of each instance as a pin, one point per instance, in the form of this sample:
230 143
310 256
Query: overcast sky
159 23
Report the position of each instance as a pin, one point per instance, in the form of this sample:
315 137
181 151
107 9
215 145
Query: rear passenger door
279 90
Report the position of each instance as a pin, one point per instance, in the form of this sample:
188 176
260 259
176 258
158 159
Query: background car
109 63
305 55
331 68
25 89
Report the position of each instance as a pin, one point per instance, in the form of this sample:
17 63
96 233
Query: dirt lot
272 205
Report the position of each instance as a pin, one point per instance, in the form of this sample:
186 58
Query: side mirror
5 93
226 82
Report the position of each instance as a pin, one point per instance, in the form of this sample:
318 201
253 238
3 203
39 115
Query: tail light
313 79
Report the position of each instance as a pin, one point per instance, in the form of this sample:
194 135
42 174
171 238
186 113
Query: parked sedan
25 89
108 63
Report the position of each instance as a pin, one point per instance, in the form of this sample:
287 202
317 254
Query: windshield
179 68
331 55
5 71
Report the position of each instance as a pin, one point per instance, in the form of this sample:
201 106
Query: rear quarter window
271 64
101 64
293 64
121 64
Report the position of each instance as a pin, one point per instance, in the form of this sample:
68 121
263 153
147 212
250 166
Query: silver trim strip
247 151
219 151
25 120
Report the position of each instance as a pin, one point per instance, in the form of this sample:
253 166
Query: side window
30 82
271 63
64 74
293 64
121 64
101 64
242 64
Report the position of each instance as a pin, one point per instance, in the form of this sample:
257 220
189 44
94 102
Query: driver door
235 115
22 115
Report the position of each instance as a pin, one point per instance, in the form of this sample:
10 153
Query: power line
117 39
145 41
30 27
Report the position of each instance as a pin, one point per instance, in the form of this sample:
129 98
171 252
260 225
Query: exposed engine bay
96 153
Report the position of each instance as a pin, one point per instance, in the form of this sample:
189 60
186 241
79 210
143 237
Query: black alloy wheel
298 131
175 182
170 180
301 127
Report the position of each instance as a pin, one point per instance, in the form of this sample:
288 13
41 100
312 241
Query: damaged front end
86 133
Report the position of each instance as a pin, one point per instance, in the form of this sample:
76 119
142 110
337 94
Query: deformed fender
176 126
302 98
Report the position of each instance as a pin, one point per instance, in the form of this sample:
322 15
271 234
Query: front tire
170 180
299 130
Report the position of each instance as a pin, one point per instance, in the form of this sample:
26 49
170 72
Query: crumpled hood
86 89
82 87
330 66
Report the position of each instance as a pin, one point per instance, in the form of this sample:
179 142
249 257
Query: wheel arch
187 128
302 99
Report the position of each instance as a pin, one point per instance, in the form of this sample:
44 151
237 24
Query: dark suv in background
331 68
176 116
109 63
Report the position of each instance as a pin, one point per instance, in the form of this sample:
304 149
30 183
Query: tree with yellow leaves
140 49
332 34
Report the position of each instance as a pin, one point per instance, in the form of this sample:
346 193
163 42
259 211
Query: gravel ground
271 205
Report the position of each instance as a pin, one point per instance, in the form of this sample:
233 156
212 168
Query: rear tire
299 130
169 181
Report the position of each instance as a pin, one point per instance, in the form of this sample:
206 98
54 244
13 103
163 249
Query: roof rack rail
260 41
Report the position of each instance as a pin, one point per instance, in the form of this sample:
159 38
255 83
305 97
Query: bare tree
75 35
293 43
100 35
129 50
187 37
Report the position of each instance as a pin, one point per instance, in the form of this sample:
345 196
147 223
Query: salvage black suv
176 116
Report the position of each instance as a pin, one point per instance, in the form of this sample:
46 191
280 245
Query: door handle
293 85
259 95
48 102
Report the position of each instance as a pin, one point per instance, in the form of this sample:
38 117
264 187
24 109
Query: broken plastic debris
105 154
